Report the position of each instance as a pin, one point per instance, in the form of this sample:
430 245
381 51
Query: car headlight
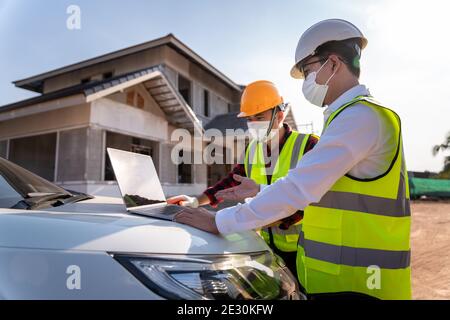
243 276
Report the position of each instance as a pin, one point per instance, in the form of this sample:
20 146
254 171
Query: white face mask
315 93
258 130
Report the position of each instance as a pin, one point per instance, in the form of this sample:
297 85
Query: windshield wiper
75 198
34 199
59 199
37 200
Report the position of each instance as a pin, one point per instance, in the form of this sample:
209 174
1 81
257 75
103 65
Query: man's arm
232 180
347 141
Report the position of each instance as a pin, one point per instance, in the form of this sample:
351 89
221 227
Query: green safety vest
290 154
356 238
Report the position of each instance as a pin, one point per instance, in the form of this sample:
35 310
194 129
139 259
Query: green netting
429 187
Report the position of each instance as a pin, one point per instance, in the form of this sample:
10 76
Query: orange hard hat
258 97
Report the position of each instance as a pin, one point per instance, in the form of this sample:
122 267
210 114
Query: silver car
59 244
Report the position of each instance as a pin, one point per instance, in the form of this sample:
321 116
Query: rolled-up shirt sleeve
349 138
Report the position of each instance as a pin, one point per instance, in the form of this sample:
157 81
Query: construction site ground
430 246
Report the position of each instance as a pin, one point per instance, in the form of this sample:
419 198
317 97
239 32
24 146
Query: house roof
226 121
177 111
35 83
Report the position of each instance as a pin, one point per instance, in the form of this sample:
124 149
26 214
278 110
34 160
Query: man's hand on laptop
199 218
185 201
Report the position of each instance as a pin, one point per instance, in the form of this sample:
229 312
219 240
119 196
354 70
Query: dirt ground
430 249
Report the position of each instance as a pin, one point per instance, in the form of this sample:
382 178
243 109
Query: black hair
348 50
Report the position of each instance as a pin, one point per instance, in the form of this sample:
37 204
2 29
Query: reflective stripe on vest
355 257
398 207
356 238
291 153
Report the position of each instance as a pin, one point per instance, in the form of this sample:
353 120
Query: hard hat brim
296 73
244 114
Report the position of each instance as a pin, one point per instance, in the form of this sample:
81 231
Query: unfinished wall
129 120
72 155
46 121
80 156
198 74
171 75
139 90
3 148
36 153
168 170
94 154
220 105
222 98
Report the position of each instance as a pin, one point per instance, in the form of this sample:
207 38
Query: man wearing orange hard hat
265 112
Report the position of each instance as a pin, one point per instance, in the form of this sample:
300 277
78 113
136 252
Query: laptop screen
137 178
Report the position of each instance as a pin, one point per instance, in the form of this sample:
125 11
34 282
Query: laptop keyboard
166 210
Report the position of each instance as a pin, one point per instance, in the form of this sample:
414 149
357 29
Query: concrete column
94 154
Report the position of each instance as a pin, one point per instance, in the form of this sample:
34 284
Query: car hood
102 224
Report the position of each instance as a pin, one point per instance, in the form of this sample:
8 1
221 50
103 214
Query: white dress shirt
356 142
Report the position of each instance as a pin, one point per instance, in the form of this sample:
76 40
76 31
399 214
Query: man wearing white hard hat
353 186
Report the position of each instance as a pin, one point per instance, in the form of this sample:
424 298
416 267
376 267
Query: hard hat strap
272 120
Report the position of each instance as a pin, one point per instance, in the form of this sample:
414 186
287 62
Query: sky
405 65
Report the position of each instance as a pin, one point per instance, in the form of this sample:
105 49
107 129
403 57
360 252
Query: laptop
139 185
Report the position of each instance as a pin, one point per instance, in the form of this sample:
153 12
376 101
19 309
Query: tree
445 173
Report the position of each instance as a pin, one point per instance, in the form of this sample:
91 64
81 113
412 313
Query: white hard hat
320 33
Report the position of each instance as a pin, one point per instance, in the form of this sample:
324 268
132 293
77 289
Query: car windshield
18 184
